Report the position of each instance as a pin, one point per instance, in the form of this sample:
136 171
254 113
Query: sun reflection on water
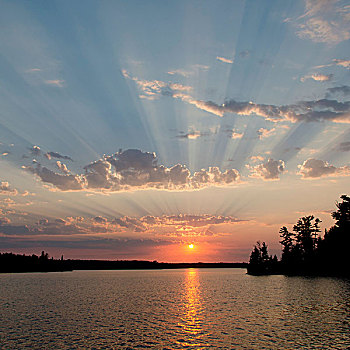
192 319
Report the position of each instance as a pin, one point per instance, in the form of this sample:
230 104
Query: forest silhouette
305 252
10 262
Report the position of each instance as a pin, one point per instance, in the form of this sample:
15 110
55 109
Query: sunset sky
131 129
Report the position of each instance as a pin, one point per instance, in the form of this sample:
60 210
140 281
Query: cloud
337 62
35 150
191 135
223 59
317 77
181 225
182 72
315 168
133 169
56 82
62 167
341 90
99 220
50 155
342 63
344 147
264 133
152 89
6 189
256 158
324 22
270 170
236 135
194 134
62 182
188 72
303 111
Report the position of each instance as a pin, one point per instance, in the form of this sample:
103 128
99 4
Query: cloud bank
130 170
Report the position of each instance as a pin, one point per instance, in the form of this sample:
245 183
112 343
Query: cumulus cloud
62 167
270 170
317 77
6 189
223 59
324 21
316 168
133 169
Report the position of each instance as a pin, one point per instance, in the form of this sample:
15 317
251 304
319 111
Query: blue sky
220 120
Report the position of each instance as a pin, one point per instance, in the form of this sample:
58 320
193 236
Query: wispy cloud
193 69
325 21
225 60
56 82
152 89
264 133
317 77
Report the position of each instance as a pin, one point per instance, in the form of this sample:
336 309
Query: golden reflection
192 320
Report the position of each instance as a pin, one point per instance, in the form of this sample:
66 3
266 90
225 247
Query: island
305 252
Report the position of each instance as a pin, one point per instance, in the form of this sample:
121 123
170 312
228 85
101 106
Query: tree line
305 252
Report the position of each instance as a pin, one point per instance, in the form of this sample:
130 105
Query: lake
172 309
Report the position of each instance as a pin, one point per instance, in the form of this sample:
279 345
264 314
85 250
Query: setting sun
191 246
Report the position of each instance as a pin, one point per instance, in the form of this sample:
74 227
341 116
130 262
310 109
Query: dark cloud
316 168
62 182
50 155
341 90
344 147
304 111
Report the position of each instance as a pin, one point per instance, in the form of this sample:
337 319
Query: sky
131 129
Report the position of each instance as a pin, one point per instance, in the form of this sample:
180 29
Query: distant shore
12 263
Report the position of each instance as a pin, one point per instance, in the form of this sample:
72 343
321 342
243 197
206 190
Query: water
172 309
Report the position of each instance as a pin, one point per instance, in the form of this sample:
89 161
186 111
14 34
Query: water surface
172 309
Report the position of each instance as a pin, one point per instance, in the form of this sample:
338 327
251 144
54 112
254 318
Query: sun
191 246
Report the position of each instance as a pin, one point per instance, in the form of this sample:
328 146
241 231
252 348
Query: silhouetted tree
306 233
287 243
